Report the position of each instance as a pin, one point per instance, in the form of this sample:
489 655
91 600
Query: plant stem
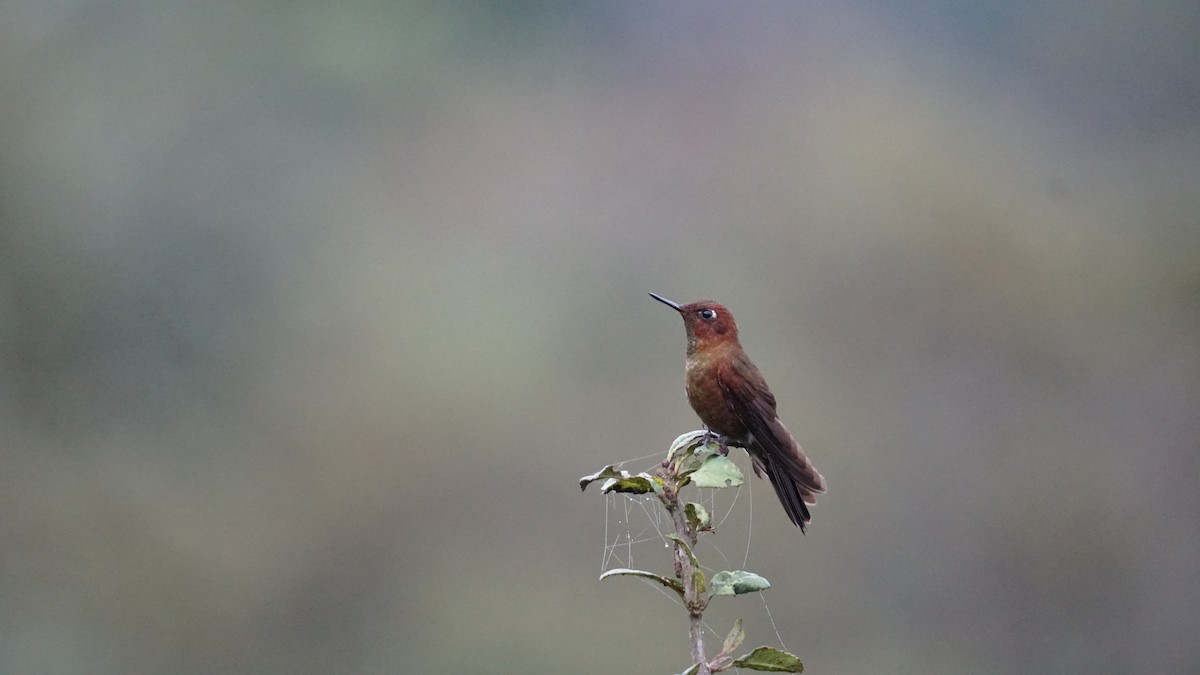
693 597
697 633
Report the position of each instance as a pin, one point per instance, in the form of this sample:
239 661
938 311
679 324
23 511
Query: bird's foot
723 446
722 441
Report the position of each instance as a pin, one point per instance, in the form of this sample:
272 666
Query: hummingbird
731 398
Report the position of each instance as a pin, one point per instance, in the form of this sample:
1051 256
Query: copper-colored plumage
732 399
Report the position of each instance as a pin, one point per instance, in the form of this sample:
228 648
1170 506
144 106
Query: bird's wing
747 395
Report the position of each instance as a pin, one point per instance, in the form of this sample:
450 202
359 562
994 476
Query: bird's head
707 322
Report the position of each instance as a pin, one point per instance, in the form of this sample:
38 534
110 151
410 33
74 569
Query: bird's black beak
668 303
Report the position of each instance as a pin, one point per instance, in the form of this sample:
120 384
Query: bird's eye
708 314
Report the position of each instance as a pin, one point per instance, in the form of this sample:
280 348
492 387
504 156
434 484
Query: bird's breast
709 401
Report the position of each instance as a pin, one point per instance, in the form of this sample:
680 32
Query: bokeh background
312 314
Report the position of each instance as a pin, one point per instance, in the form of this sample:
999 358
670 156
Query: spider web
636 529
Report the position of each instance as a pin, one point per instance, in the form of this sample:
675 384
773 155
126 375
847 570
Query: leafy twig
694 458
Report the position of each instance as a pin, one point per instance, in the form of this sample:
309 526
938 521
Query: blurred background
312 314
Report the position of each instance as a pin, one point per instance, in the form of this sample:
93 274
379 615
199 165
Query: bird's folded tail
794 478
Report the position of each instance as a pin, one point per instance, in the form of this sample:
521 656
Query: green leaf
638 485
697 516
686 549
673 584
771 660
686 445
697 573
735 638
718 471
656 484
688 453
738 582
617 480
610 471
